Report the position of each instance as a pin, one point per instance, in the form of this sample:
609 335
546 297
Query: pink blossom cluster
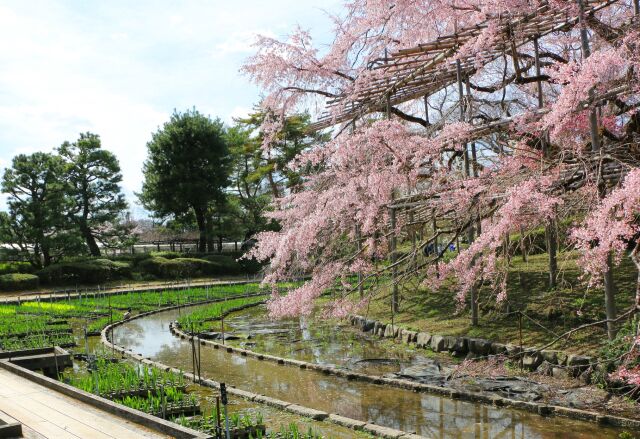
525 204
609 227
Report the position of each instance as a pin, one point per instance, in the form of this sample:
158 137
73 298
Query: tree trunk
552 248
36 258
610 298
635 257
394 271
273 185
202 228
474 288
210 240
94 249
46 256
523 246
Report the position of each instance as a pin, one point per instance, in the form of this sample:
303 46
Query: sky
119 68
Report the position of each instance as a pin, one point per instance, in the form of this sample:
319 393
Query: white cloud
240 42
119 68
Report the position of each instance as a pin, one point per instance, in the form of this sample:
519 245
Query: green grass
567 306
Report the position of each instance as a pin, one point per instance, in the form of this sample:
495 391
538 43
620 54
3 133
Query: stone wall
550 362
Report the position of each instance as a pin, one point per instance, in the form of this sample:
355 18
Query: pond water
335 344
428 415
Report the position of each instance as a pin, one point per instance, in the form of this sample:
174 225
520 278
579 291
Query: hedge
86 272
15 267
177 268
18 281
223 265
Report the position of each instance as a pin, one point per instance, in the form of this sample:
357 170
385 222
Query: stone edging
144 419
495 400
318 415
552 362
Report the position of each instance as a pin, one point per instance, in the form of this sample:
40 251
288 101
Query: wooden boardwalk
46 413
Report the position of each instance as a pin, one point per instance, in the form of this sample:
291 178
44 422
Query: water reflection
425 414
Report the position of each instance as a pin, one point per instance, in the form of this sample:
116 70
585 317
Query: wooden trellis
424 70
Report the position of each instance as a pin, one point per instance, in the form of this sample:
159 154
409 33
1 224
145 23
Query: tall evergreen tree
94 180
187 169
36 222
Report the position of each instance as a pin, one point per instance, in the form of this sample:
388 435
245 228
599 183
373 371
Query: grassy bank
547 312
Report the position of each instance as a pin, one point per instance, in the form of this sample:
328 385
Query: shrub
223 265
18 281
133 259
152 266
85 272
166 255
15 267
185 267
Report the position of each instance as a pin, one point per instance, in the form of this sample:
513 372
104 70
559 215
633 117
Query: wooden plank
34 421
54 415
64 421
94 417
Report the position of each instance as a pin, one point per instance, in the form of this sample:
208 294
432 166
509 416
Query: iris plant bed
143 388
241 426
114 380
167 405
34 341
200 320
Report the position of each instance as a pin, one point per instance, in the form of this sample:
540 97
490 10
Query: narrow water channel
428 415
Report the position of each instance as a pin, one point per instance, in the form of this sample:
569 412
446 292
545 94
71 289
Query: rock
531 361
577 364
581 398
316 415
585 377
218 336
380 431
513 351
560 372
390 331
408 336
367 325
498 349
471 356
479 346
347 422
508 387
438 343
459 345
545 368
562 358
423 339
273 402
550 356
429 372
449 342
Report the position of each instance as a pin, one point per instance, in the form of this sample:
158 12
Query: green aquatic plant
201 320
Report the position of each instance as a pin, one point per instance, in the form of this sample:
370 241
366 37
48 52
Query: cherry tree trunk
610 299
552 249
394 257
